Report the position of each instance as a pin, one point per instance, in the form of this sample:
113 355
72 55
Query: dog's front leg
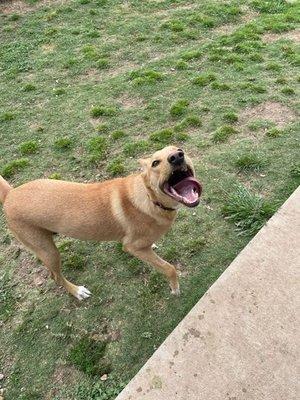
148 255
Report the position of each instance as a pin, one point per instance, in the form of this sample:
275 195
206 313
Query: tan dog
136 210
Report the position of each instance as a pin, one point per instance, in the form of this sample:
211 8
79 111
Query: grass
247 211
87 88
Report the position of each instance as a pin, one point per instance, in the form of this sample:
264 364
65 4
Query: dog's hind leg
148 255
40 242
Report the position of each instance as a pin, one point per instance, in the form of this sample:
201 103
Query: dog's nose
176 158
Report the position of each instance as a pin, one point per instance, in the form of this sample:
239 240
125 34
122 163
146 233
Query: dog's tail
4 189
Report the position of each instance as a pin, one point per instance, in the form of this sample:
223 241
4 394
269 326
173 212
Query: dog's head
170 174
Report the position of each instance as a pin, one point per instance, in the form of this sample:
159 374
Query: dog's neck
157 203
154 200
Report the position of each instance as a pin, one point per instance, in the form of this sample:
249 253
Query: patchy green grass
247 211
89 86
249 161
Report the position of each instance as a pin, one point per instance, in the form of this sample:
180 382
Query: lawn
89 86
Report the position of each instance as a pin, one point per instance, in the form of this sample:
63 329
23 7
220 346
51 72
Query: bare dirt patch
126 101
21 7
273 111
273 37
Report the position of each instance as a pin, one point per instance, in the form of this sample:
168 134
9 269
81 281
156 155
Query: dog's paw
175 292
82 293
154 246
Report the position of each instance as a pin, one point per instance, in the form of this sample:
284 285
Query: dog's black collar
157 203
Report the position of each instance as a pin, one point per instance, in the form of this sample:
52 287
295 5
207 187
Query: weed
145 76
102 63
119 134
102 128
249 161
274 132
134 148
116 167
288 91
29 147
247 211
163 137
273 66
89 356
63 143
7 298
182 136
230 117
204 79
223 133
174 25
29 87
191 120
179 107
7 116
295 171
97 147
281 80
58 91
181 65
220 86
103 111
191 55
55 175
14 166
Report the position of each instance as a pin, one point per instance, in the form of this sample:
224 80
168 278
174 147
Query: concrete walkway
240 340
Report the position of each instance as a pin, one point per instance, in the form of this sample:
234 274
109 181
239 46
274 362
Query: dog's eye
155 163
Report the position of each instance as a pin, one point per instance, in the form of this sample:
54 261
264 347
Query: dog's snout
176 158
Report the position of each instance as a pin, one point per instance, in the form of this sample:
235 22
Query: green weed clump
88 356
204 79
55 175
249 161
181 65
295 171
118 134
223 133
274 132
102 128
191 55
103 111
97 147
7 116
288 91
134 148
14 166
29 87
63 143
230 117
116 167
247 211
29 147
103 63
220 86
179 107
148 76
163 136
190 121
174 25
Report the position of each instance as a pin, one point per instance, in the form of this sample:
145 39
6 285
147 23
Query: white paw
154 246
82 293
175 292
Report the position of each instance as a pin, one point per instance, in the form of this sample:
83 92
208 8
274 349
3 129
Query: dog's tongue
189 189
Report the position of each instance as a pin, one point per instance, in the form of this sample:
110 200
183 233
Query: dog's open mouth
183 187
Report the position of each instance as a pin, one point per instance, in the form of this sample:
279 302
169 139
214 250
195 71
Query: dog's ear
144 163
